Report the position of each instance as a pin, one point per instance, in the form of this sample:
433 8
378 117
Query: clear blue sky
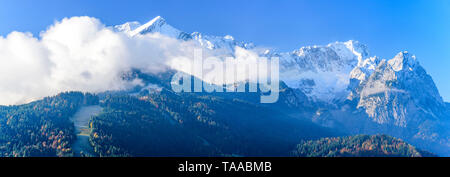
386 26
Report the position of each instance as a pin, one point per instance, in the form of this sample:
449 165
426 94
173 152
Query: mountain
341 86
156 25
321 72
332 90
403 85
359 146
159 25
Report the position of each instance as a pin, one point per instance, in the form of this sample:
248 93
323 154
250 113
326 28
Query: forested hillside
41 128
358 146
168 124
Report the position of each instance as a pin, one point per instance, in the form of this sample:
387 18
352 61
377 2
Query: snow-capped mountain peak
365 68
323 72
403 60
396 91
350 50
127 27
157 25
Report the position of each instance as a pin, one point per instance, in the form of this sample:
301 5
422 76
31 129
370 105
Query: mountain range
345 87
333 90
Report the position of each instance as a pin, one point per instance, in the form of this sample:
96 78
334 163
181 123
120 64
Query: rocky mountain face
399 93
395 89
341 86
322 72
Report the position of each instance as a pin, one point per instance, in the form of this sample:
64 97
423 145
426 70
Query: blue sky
421 27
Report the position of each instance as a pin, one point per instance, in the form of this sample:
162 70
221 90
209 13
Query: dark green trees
358 146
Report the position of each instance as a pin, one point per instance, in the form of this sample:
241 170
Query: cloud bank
78 53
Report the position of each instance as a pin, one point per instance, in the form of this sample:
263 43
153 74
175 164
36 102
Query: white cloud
77 53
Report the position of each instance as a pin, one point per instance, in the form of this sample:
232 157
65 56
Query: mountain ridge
343 78
338 87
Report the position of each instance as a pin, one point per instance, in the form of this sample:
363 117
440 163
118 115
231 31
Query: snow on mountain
329 73
225 44
127 27
402 99
396 96
397 91
322 72
156 25
402 61
364 69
